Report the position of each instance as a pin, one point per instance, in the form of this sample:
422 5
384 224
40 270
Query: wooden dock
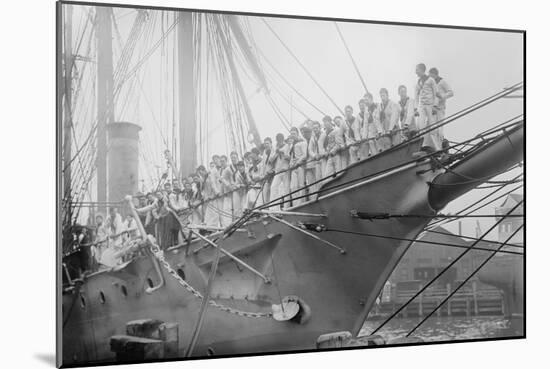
469 301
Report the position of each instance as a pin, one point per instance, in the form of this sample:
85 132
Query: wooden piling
474 293
449 302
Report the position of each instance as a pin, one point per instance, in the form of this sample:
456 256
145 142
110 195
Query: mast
67 112
105 109
186 94
240 39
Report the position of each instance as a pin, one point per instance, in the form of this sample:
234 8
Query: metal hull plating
339 289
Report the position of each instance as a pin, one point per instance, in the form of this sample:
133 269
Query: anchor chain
159 254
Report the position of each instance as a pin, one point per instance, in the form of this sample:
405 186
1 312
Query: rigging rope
472 238
435 243
277 89
204 303
303 67
290 85
376 216
444 221
351 57
150 52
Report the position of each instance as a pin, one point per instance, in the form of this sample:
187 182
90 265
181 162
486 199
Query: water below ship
438 329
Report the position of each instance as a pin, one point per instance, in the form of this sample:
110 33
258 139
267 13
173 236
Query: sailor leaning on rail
113 242
216 195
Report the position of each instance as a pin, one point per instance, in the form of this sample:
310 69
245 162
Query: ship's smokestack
122 159
479 167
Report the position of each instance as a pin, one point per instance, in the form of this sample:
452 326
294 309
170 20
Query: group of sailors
291 167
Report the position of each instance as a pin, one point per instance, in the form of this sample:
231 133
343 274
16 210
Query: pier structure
474 299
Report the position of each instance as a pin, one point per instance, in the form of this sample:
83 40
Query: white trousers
211 216
439 116
311 177
426 119
239 202
333 165
226 213
354 154
297 181
280 187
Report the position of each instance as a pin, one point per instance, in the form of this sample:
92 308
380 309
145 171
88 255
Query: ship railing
119 242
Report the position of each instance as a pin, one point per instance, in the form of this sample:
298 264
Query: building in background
432 253
509 225
506 271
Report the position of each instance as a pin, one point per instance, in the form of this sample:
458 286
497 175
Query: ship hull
338 289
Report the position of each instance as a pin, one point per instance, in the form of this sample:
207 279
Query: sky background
475 63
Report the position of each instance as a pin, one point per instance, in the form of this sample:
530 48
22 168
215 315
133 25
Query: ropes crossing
456 260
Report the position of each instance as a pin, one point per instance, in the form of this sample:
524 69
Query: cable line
435 243
351 57
378 216
473 238
444 221
303 67
289 84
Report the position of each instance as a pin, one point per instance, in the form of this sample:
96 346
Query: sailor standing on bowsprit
389 121
443 93
406 112
298 154
425 99
352 134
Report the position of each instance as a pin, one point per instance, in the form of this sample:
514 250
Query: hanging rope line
277 89
150 52
435 243
444 221
456 260
204 303
303 67
473 239
464 281
382 216
285 80
351 57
